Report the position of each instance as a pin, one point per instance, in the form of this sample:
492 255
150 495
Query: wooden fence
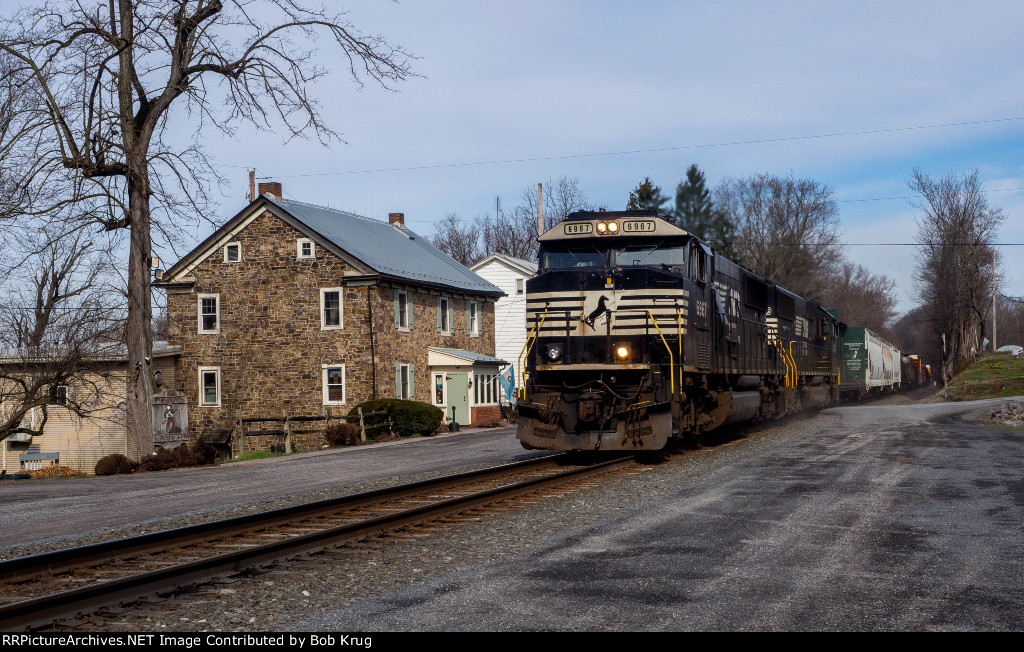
296 425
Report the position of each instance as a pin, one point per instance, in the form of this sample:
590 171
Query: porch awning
438 357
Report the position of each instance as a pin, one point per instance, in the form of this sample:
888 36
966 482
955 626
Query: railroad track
38 590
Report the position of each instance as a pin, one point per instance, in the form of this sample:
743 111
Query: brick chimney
271 189
398 219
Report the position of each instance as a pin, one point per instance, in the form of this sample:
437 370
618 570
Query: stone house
301 308
509 274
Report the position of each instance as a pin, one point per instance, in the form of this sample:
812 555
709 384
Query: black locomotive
639 332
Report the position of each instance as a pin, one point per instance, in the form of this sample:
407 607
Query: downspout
373 345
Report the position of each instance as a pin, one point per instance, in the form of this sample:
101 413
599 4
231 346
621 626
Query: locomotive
639 332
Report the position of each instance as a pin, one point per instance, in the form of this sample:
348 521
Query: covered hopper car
869 366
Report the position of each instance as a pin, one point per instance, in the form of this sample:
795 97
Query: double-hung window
330 308
473 315
209 313
334 384
403 310
209 387
444 315
405 375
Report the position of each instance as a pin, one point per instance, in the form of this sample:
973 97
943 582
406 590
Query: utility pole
540 209
252 185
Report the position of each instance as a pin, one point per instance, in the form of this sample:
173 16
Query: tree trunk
138 337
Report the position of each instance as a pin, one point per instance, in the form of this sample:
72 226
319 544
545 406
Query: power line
653 150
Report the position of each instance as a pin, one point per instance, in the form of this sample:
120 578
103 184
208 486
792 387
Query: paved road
36 510
863 518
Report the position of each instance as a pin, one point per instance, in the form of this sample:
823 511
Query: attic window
233 252
305 249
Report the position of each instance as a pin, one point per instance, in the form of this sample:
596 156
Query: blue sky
557 79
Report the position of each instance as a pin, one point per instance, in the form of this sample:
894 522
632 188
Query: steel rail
70 558
44 610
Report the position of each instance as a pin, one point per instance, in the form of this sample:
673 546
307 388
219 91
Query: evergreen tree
646 195
696 212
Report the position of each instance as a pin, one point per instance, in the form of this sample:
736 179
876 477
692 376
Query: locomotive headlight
613 227
622 352
602 227
554 352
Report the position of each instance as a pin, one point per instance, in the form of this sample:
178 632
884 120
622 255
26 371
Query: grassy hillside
983 376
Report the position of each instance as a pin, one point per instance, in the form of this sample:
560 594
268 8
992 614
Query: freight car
869 365
915 372
639 331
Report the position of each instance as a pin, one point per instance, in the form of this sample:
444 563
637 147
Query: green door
458 396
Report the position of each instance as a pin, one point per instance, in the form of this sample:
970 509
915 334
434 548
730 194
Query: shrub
161 460
196 454
407 417
115 464
342 434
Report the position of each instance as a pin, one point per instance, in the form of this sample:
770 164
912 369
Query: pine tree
695 212
645 196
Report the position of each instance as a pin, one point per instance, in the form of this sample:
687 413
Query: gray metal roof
527 266
388 249
472 356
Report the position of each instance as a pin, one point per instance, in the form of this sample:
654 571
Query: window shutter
408 304
398 380
412 382
397 322
439 314
469 308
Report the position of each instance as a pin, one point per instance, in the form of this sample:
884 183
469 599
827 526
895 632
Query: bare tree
787 229
458 238
103 79
860 297
514 232
1010 320
60 332
954 275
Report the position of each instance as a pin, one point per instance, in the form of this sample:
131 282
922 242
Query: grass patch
992 375
254 455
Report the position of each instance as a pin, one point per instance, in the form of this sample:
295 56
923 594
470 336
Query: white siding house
510 275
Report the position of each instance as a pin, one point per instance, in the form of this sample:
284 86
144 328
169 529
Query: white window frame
475 308
202 387
444 389
199 313
323 309
233 244
407 392
520 286
344 385
448 314
403 313
56 397
298 249
485 392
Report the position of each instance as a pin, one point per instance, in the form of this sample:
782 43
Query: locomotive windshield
570 256
649 254
566 257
